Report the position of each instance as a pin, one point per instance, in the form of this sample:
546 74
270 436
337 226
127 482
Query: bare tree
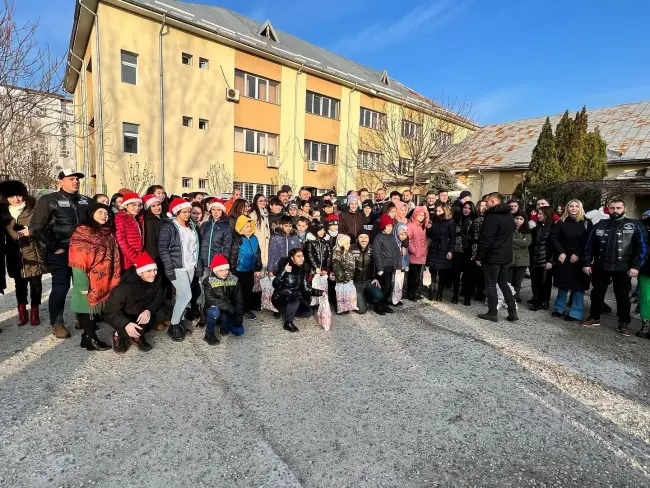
28 79
33 161
137 177
219 179
283 178
402 147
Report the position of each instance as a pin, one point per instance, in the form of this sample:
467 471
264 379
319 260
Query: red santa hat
219 262
144 262
130 198
178 204
216 203
149 200
385 221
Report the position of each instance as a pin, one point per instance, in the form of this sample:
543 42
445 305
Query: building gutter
162 101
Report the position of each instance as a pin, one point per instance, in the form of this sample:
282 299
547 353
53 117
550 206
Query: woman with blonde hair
568 239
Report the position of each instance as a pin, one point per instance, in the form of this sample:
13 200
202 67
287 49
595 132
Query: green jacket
520 244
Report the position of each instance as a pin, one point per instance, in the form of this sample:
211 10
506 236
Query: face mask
615 216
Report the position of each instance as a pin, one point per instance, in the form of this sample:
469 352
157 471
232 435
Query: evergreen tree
576 158
595 152
544 164
563 141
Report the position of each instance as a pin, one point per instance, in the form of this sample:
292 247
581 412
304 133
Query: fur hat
385 221
144 262
342 239
219 262
12 188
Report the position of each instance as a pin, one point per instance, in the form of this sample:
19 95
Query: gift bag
426 277
397 287
324 315
257 287
501 301
266 285
319 283
346 297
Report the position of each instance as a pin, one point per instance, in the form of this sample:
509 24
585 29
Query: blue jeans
61 275
214 317
577 310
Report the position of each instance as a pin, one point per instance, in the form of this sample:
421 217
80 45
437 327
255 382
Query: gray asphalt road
428 396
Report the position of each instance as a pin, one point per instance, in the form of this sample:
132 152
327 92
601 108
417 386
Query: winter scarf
16 210
96 254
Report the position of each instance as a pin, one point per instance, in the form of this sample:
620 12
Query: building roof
263 37
626 128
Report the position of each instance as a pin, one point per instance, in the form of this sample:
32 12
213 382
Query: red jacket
130 239
418 237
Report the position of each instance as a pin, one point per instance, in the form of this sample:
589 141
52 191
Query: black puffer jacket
290 285
132 297
443 239
387 254
343 264
541 252
56 216
617 245
225 294
495 242
318 254
152 224
363 268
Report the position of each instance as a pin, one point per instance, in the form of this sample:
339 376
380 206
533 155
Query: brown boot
162 325
60 332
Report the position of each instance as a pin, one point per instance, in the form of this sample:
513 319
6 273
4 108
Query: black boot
211 338
645 330
175 331
467 302
142 343
186 327
491 316
512 316
438 297
454 299
289 327
120 345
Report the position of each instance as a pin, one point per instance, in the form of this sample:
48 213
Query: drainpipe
295 123
162 101
84 121
347 151
100 113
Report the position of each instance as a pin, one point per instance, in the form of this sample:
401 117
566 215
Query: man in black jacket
495 255
56 216
617 247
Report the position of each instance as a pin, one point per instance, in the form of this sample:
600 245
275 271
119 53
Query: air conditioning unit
232 95
312 165
272 162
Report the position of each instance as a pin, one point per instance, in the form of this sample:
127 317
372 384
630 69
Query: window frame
362 162
249 190
410 129
405 163
186 179
189 57
188 119
124 64
334 104
256 134
370 112
203 183
206 124
135 135
205 62
332 150
257 79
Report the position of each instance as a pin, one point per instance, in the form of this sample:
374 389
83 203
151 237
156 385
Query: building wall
197 93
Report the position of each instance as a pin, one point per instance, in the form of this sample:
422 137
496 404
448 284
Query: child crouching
224 301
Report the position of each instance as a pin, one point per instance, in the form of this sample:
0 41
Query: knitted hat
219 263
144 262
130 198
363 232
342 239
149 200
93 207
178 204
12 188
400 227
385 221
332 219
293 205
351 197
367 203
216 203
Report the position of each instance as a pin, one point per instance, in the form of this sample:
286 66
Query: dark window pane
314 152
310 102
130 144
326 107
250 141
316 105
250 87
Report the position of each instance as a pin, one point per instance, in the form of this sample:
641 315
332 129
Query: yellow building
172 92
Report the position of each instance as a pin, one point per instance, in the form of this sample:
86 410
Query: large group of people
160 262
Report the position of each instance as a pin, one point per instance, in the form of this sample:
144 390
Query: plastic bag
257 287
324 315
502 301
346 297
319 283
266 285
426 277
398 287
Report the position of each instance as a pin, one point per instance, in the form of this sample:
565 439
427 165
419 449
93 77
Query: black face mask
615 216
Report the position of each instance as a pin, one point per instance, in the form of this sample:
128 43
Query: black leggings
296 307
247 280
88 324
541 282
414 279
35 288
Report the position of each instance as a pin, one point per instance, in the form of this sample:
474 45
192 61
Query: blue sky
509 59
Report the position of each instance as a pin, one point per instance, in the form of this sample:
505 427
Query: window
187 121
129 68
203 183
204 63
405 166
253 141
371 119
186 59
203 124
187 182
444 139
249 190
410 129
131 137
253 86
323 106
368 160
320 152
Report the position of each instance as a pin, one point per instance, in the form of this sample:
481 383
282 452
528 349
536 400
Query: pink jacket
418 237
